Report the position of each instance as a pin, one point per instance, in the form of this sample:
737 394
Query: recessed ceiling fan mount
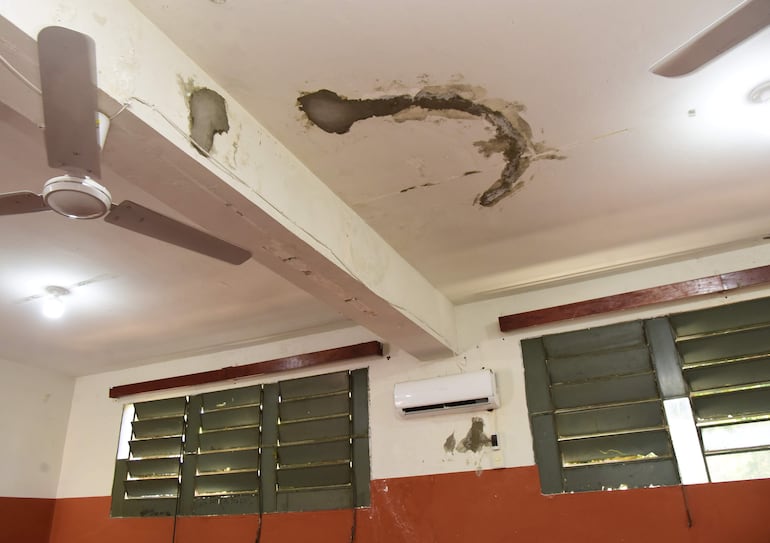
736 26
74 132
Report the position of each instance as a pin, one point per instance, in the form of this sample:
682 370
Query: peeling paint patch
512 134
449 444
208 117
475 439
208 114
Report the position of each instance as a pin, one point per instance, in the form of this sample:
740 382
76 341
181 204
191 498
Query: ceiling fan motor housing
76 197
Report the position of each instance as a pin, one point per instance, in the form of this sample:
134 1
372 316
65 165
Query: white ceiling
149 301
654 169
642 179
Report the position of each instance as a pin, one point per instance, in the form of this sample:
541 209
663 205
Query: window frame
666 338
352 402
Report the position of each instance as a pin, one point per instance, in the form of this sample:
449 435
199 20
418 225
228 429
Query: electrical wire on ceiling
227 171
126 105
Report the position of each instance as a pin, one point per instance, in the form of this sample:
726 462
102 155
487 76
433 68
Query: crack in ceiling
513 135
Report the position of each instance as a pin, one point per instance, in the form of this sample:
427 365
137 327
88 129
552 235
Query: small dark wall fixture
513 136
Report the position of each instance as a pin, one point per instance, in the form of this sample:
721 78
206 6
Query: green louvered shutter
725 357
222 453
147 478
320 454
595 409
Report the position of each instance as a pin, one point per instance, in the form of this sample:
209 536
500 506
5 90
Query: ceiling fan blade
738 25
14 203
142 220
68 81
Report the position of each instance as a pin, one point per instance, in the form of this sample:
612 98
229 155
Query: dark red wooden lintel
350 352
637 298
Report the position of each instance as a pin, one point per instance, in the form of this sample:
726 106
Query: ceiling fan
738 25
68 81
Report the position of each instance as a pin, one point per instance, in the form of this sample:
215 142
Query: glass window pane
736 436
739 466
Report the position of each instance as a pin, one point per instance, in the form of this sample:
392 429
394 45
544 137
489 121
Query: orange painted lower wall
493 506
25 519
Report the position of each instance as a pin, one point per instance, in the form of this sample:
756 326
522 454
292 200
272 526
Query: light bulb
53 308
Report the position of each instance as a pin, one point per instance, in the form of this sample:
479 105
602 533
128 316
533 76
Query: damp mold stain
475 439
512 135
450 443
208 114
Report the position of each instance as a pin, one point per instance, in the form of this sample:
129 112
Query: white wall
34 409
399 447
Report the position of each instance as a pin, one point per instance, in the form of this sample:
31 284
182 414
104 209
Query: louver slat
247 450
609 429
224 452
314 452
147 482
725 353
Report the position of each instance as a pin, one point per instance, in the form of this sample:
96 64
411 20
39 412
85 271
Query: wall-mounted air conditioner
472 391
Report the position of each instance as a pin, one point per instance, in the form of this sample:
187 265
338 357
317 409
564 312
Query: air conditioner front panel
466 391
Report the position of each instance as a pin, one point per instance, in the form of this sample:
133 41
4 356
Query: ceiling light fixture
77 197
53 307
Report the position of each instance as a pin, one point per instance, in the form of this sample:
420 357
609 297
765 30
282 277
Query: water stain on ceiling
512 138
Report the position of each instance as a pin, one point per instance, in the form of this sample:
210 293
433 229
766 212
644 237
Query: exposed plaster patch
512 134
208 117
449 444
208 114
475 439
